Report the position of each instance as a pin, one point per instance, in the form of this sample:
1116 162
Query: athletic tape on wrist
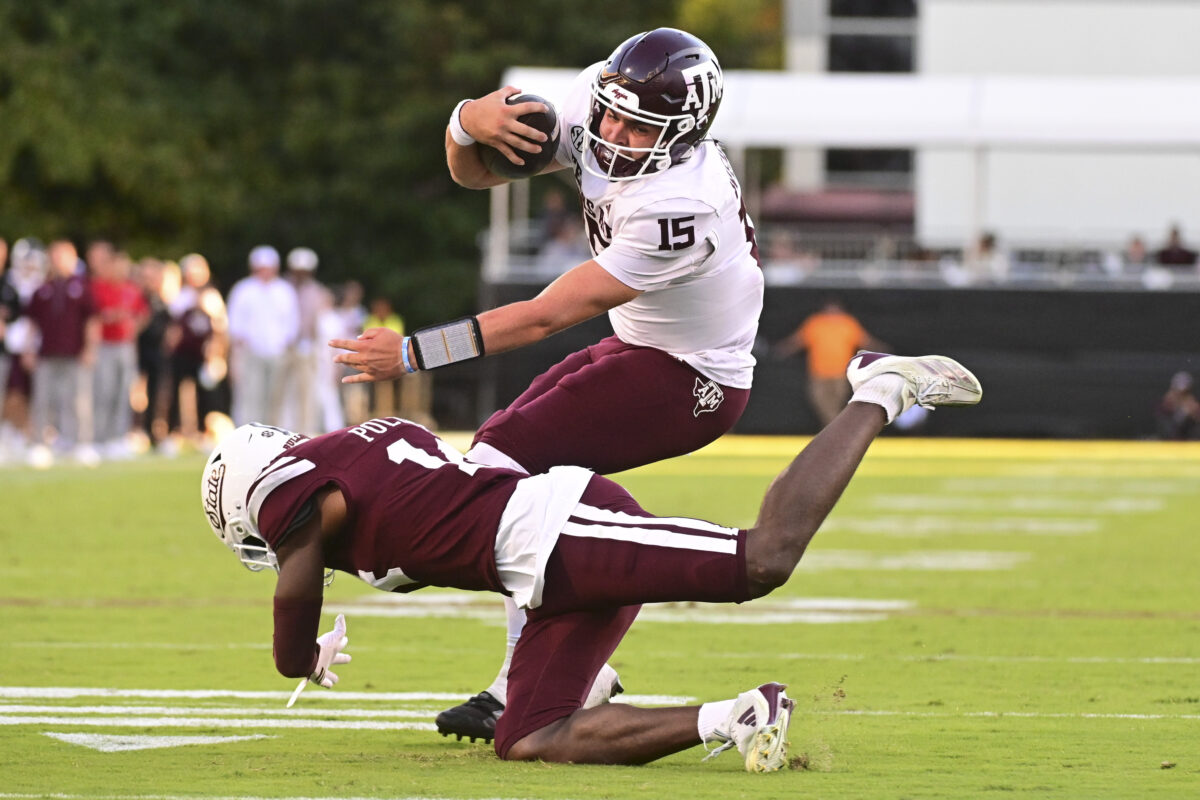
448 343
457 132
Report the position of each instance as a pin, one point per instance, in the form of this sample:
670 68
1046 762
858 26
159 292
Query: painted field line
799 610
106 743
142 646
212 722
726 616
71 693
188 722
1014 714
195 711
1074 484
951 657
912 561
1082 506
922 526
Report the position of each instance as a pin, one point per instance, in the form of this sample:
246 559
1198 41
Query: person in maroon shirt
391 503
64 313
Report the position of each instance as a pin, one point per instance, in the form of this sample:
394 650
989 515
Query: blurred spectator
1178 412
63 313
264 321
122 311
830 337
300 398
10 307
26 272
153 364
1174 254
196 342
327 375
986 261
1135 258
351 316
786 264
385 395
566 248
554 214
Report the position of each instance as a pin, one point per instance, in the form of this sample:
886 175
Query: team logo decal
709 397
704 88
212 497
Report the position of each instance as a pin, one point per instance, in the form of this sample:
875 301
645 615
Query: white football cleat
932 380
757 726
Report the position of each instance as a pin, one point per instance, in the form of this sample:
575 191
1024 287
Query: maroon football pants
611 407
611 557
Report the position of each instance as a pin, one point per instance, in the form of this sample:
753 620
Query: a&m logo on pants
708 397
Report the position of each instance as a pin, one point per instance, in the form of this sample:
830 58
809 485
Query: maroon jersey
61 307
419 515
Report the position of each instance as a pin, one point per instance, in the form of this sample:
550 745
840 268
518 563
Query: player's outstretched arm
586 291
581 293
300 587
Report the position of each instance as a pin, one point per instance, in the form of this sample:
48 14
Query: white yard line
923 526
75 692
210 722
1087 507
950 657
1015 714
194 711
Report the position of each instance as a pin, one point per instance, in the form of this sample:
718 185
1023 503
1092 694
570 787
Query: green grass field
977 619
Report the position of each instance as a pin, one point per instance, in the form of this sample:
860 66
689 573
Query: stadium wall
1061 364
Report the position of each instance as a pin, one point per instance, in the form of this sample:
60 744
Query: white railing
890 261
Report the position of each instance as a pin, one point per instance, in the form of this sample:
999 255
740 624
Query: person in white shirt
264 322
674 264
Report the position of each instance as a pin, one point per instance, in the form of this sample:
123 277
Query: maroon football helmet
666 79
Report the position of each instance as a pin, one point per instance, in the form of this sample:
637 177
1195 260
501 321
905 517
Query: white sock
713 716
886 390
516 624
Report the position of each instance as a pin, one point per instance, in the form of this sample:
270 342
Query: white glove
331 644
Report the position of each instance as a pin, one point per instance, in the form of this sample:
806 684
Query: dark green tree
215 125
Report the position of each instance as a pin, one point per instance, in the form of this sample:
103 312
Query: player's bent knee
521 751
765 575
536 746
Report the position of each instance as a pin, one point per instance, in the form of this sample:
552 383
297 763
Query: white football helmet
225 485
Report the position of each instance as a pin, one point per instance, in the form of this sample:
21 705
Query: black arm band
448 343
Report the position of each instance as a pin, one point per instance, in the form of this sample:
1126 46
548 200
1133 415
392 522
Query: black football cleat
475 719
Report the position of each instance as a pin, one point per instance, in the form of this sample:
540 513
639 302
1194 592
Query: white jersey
683 238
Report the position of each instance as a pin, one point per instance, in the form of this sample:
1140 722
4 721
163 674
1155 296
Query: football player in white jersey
674 264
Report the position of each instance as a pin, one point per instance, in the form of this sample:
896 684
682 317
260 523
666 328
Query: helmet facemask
622 163
252 551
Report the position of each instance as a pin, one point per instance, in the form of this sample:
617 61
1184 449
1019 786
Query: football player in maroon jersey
390 502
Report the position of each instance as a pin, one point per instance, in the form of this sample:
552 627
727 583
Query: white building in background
1051 123
1142 52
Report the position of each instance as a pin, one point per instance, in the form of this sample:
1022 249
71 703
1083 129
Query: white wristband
457 132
